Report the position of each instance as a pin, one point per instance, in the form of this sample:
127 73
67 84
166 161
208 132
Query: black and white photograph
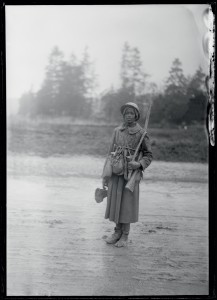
108 149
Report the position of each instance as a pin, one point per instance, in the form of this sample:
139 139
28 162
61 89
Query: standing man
122 204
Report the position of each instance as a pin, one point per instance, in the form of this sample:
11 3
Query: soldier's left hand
133 165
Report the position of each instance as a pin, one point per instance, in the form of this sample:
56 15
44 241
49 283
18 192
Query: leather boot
122 242
112 239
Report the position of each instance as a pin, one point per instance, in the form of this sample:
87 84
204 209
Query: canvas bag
117 161
114 164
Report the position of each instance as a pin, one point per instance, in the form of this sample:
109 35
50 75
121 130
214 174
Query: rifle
132 174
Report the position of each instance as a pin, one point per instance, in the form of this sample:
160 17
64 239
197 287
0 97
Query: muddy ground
56 230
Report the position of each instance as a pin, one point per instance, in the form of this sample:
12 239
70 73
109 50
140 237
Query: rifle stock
131 182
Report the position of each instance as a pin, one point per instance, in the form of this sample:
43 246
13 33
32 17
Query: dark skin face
129 116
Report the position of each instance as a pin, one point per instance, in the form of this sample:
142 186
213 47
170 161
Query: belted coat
122 204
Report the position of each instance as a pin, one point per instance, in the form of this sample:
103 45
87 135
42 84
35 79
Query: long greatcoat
122 204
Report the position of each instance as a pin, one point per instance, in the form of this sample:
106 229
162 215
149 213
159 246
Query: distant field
47 138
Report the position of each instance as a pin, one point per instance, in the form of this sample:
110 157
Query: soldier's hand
133 165
104 182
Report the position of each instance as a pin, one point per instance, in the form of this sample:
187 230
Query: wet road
56 231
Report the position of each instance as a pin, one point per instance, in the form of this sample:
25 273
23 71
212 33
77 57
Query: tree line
69 90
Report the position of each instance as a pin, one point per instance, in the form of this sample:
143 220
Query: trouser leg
126 228
118 227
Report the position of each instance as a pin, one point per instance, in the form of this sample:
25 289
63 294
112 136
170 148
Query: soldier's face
129 116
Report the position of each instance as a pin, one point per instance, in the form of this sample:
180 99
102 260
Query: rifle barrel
141 139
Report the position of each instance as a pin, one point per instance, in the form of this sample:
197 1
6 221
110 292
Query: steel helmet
130 104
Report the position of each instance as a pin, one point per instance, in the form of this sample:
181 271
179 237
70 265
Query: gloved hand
133 165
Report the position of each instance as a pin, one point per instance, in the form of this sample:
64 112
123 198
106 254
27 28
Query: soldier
122 204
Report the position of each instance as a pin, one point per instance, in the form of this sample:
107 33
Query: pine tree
133 78
197 96
197 83
176 83
48 96
88 75
175 104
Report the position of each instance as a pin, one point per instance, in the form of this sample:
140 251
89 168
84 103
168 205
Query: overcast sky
161 33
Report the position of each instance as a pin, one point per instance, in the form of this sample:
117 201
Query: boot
122 242
112 239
